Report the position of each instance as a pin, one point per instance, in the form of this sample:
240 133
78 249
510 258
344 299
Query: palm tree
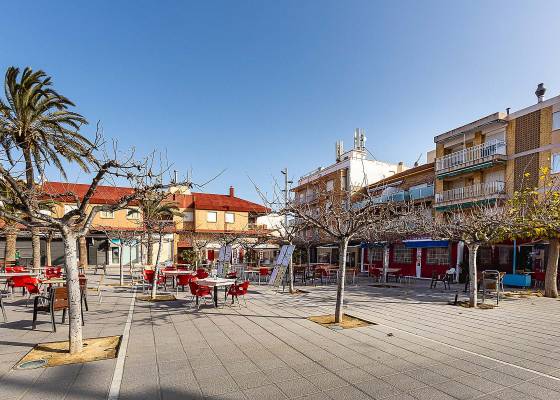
157 214
36 124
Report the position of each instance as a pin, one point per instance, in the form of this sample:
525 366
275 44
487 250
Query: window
506 256
132 213
555 163
230 218
107 214
376 253
485 256
437 256
556 120
188 216
330 185
212 216
401 254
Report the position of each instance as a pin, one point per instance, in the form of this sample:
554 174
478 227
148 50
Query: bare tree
75 222
483 223
340 219
535 213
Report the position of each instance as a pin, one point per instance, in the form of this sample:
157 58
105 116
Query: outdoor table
215 283
12 274
53 281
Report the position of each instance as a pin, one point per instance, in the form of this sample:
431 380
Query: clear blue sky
253 86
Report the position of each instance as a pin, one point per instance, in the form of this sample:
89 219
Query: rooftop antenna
362 139
418 160
356 138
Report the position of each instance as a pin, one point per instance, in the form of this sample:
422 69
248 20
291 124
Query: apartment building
490 158
351 172
199 215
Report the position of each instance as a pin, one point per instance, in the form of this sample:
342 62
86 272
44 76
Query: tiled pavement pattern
81 381
268 350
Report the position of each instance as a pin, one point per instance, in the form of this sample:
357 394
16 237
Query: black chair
56 300
445 278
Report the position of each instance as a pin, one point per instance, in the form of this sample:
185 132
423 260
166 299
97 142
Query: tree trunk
343 244
74 294
385 263
83 252
550 285
121 275
291 273
473 290
150 249
48 250
36 245
11 239
156 272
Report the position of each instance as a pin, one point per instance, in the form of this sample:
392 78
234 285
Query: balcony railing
473 192
421 193
471 155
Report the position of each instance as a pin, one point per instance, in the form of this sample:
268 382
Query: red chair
375 273
539 278
263 272
201 273
148 278
184 280
199 291
238 290
53 272
231 275
29 284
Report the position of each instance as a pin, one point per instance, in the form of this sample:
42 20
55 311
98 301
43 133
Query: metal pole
514 255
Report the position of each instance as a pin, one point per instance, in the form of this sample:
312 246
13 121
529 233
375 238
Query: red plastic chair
199 291
231 275
148 278
263 272
238 290
201 273
53 272
184 280
29 284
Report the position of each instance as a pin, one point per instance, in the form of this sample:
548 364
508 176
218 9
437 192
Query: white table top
178 272
12 274
215 282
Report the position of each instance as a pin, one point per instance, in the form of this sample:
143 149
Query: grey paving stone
297 388
426 376
218 385
378 369
430 393
347 393
251 380
354 375
309 368
327 381
377 388
281 374
403 382
458 390
269 392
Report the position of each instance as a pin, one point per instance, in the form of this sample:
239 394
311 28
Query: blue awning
423 243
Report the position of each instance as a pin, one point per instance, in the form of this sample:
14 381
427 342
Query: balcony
470 194
421 193
473 158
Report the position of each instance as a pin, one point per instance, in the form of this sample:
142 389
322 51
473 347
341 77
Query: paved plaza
419 348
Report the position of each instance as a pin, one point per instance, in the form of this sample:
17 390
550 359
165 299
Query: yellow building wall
241 221
510 150
120 220
545 137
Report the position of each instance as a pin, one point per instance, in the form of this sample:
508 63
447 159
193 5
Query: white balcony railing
471 155
473 192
